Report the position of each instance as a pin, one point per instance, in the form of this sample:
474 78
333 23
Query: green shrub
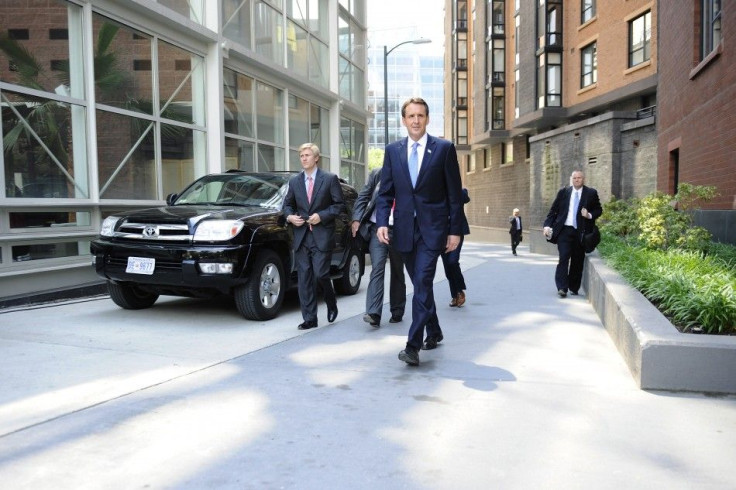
653 244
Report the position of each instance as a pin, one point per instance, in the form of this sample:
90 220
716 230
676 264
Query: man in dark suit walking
312 203
364 222
572 215
515 230
421 174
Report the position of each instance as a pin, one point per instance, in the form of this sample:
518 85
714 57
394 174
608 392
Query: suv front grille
154 232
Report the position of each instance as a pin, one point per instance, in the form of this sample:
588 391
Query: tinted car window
242 190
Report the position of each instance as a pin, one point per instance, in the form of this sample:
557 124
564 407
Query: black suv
224 234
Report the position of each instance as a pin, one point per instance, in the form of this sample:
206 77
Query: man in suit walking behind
364 222
421 174
572 215
515 230
312 203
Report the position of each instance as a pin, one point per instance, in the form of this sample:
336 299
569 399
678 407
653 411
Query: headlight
217 230
108 226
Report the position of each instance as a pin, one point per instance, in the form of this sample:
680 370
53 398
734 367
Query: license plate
140 265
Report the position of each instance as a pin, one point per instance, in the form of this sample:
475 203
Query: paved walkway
526 392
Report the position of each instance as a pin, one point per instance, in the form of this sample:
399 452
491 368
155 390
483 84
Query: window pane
48 219
27 60
40 251
193 10
125 154
236 21
123 74
297 49
319 67
44 146
239 154
269 33
182 157
270 117
181 84
298 121
238 103
270 158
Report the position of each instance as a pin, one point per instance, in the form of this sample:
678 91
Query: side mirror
171 198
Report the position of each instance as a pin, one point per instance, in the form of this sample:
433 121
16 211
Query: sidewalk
527 391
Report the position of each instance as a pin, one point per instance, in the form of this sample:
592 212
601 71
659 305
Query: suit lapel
404 160
426 158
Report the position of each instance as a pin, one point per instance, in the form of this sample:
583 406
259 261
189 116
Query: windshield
236 190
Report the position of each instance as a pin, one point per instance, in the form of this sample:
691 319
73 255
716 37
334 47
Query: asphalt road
527 391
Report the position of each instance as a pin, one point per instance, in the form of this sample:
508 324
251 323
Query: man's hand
584 212
547 232
314 219
452 242
295 220
382 234
354 227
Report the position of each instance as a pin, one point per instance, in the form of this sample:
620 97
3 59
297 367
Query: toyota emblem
150 231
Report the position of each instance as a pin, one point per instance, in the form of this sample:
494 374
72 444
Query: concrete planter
657 354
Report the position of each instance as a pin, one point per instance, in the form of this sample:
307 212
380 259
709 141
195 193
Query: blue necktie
575 205
414 164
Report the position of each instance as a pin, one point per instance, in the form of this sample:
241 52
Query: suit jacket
436 201
558 212
514 229
466 200
365 203
327 201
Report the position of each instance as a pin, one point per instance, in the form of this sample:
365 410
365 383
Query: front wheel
130 297
349 283
261 297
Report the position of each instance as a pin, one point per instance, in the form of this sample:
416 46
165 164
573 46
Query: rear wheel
349 283
130 297
261 298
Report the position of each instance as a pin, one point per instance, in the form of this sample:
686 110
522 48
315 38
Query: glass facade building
112 105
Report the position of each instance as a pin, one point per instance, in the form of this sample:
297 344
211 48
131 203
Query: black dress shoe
395 319
331 314
372 319
409 356
561 293
574 293
307 325
431 342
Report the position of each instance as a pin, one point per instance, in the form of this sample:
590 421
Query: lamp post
386 52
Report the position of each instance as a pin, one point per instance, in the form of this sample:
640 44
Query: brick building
697 109
540 88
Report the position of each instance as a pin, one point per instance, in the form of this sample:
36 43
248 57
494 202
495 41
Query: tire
261 298
349 283
130 297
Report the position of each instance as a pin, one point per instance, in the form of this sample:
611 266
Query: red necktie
310 187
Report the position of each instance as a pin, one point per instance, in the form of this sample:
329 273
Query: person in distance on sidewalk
516 230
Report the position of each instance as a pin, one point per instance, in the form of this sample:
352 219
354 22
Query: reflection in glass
191 9
239 155
182 157
44 51
271 158
299 121
270 115
181 84
236 21
44 147
123 71
40 251
238 103
48 219
125 154
268 26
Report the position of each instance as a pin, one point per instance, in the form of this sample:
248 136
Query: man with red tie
312 203
422 175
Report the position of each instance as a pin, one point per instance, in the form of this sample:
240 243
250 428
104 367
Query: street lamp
386 52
